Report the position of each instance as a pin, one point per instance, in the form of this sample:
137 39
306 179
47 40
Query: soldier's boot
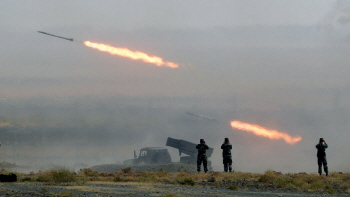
326 170
230 168
199 163
225 167
320 169
205 165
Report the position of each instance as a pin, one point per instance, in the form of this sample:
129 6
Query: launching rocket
70 39
122 51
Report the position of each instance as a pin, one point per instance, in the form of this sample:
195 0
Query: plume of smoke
342 12
336 23
201 117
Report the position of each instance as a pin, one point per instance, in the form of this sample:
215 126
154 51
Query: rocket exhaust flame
135 55
260 131
124 52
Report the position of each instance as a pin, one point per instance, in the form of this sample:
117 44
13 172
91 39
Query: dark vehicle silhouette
150 155
160 155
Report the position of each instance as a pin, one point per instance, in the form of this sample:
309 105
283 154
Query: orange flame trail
260 131
135 55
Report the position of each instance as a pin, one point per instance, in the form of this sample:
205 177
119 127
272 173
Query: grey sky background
281 64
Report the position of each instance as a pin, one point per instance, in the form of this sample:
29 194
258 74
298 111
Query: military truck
160 155
150 155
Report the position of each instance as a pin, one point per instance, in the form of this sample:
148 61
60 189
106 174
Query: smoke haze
283 66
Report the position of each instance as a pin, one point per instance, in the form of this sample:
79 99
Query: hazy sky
281 64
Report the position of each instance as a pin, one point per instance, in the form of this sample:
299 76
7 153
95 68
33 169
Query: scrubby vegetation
335 183
55 175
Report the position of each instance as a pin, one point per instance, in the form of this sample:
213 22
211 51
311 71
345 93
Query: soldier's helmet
201 140
321 140
226 140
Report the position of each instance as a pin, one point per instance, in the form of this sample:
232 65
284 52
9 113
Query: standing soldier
321 156
202 157
226 155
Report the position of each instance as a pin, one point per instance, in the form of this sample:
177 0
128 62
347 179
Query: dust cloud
284 66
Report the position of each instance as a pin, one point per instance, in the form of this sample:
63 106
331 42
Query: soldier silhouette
202 156
321 156
226 155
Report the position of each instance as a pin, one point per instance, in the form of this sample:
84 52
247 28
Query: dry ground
102 189
127 182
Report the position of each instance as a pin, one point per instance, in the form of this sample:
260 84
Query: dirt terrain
145 182
95 189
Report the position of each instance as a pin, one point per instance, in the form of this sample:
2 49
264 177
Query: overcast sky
281 64
159 14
